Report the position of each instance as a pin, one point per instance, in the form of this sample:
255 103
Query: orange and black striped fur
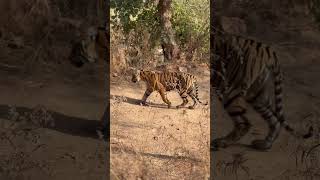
241 69
185 83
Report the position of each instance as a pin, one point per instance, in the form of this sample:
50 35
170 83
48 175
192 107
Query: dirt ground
156 142
67 149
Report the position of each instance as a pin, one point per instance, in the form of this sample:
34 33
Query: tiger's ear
132 70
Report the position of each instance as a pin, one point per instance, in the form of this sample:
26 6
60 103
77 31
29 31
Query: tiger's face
136 76
87 49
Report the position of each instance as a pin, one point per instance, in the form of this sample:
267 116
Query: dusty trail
156 141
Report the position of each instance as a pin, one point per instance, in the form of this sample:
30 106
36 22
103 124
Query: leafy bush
315 8
139 22
191 20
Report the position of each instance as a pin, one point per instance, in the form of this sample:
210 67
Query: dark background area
291 27
49 109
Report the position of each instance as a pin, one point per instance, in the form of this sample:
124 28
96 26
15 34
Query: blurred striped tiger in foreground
185 83
91 47
241 69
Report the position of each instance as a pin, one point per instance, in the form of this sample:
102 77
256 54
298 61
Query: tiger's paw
219 143
144 104
102 133
260 144
179 106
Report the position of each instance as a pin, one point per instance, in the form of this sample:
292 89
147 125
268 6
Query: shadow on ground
159 156
138 101
75 126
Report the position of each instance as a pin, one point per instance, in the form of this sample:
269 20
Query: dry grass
234 166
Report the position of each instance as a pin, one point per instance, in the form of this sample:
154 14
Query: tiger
241 70
91 48
184 83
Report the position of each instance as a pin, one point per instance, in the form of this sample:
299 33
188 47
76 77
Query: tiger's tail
279 104
197 94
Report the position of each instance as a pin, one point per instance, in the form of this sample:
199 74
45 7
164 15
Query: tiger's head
136 75
142 74
91 47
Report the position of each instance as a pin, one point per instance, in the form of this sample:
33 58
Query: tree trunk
170 48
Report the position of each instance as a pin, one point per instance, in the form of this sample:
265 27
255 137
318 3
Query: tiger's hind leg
184 97
193 96
237 111
263 106
193 93
164 96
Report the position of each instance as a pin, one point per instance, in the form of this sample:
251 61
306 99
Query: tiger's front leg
147 93
241 128
104 129
163 95
236 110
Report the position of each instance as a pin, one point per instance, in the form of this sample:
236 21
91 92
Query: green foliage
135 15
316 10
190 19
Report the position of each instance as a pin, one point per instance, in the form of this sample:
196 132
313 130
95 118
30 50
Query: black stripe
258 46
288 128
246 41
246 52
239 113
278 83
256 96
278 91
262 54
253 62
268 51
237 39
234 71
267 114
309 134
274 55
230 100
